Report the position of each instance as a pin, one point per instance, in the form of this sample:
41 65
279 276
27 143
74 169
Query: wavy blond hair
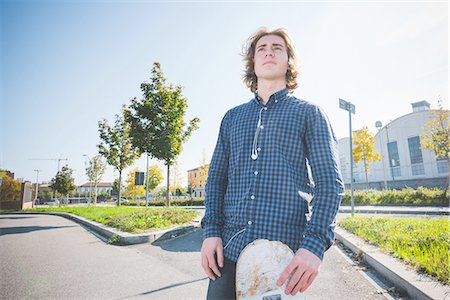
248 53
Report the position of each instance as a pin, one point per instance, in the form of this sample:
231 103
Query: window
414 150
442 164
415 155
394 159
417 169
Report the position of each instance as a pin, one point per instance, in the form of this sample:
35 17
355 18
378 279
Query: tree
363 148
155 177
63 182
95 172
10 188
175 179
44 196
133 190
157 120
436 134
116 187
115 145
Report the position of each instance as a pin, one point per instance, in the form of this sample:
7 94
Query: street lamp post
348 106
90 182
146 183
379 125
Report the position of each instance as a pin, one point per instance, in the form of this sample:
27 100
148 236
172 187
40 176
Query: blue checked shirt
258 185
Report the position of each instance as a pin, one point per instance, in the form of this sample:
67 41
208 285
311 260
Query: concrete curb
396 211
116 236
393 210
403 277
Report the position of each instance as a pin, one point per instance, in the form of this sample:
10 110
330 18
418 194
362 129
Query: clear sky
65 65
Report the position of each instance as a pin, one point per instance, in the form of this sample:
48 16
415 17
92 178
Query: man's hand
211 248
304 268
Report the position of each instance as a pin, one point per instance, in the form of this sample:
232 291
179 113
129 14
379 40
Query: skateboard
258 268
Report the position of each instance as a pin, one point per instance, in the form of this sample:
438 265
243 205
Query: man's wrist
211 231
314 245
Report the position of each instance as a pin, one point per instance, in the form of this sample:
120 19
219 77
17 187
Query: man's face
271 58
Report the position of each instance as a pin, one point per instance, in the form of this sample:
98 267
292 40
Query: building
404 163
197 180
102 188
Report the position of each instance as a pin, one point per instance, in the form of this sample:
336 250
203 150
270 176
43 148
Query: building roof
421 104
198 168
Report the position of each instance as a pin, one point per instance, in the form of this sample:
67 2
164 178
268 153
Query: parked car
52 202
114 198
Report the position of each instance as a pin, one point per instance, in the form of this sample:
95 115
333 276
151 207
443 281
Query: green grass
177 202
421 242
129 219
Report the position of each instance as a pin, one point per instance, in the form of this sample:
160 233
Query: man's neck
266 88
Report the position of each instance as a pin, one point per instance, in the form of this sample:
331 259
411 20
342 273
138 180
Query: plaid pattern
270 197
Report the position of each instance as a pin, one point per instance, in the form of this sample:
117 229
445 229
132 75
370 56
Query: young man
258 182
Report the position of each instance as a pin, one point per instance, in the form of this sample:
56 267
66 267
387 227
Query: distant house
197 179
102 187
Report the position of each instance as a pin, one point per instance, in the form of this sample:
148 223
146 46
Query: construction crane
55 159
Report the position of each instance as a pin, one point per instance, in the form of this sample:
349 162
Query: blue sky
65 65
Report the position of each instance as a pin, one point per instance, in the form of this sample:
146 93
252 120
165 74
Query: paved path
50 257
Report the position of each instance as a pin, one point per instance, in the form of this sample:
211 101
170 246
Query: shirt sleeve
323 158
217 182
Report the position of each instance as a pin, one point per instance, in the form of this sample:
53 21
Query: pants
223 288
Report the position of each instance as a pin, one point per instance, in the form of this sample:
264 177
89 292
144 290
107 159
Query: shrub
407 196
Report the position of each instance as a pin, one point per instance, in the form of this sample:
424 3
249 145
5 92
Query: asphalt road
49 257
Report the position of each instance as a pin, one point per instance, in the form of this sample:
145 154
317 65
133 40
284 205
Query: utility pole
348 106
37 185
57 170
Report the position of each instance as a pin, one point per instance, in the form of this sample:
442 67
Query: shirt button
259 149
252 197
256 172
249 222
265 108
276 101
262 127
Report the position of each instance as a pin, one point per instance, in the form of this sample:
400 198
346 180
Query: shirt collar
273 99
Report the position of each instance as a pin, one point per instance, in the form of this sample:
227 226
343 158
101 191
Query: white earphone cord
255 140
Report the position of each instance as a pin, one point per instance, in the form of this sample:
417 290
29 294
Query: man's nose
269 52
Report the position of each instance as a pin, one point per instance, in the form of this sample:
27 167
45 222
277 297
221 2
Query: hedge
407 196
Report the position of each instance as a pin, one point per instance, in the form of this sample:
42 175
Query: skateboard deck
258 269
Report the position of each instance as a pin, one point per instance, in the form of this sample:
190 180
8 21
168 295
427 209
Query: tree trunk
95 194
168 188
448 177
366 167
120 184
